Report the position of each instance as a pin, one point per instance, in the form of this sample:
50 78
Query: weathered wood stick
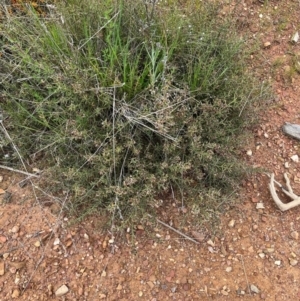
19 171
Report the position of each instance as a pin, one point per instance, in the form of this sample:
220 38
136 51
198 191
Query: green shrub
125 100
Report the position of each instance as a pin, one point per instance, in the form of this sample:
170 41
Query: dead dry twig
175 230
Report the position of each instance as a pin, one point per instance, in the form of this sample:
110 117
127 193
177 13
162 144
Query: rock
293 262
278 262
3 239
13 270
15 294
36 170
295 37
295 158
297 66
211 243
61 291
295 235
151 284
270 250
231 223
251 249
15 229
2 268
292 130
69 243
173 289
249 152
49 289
263 296
224 293
56 241
254 289
260 206
119 287
186 287
267 44
37 244
228 269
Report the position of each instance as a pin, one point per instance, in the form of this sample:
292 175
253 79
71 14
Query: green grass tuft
125 100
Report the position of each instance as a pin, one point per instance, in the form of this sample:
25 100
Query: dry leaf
2 191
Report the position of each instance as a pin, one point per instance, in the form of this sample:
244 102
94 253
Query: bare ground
253 255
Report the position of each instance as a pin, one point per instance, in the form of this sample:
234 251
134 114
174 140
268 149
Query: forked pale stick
289 192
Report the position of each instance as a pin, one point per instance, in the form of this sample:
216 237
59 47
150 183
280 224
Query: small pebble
231 223
2 268
295 235
254 289
293 262
3 239
295 158
260 206
15 294
224 293
15 229
56 241
61 291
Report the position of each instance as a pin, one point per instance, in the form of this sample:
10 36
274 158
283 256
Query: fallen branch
242 259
